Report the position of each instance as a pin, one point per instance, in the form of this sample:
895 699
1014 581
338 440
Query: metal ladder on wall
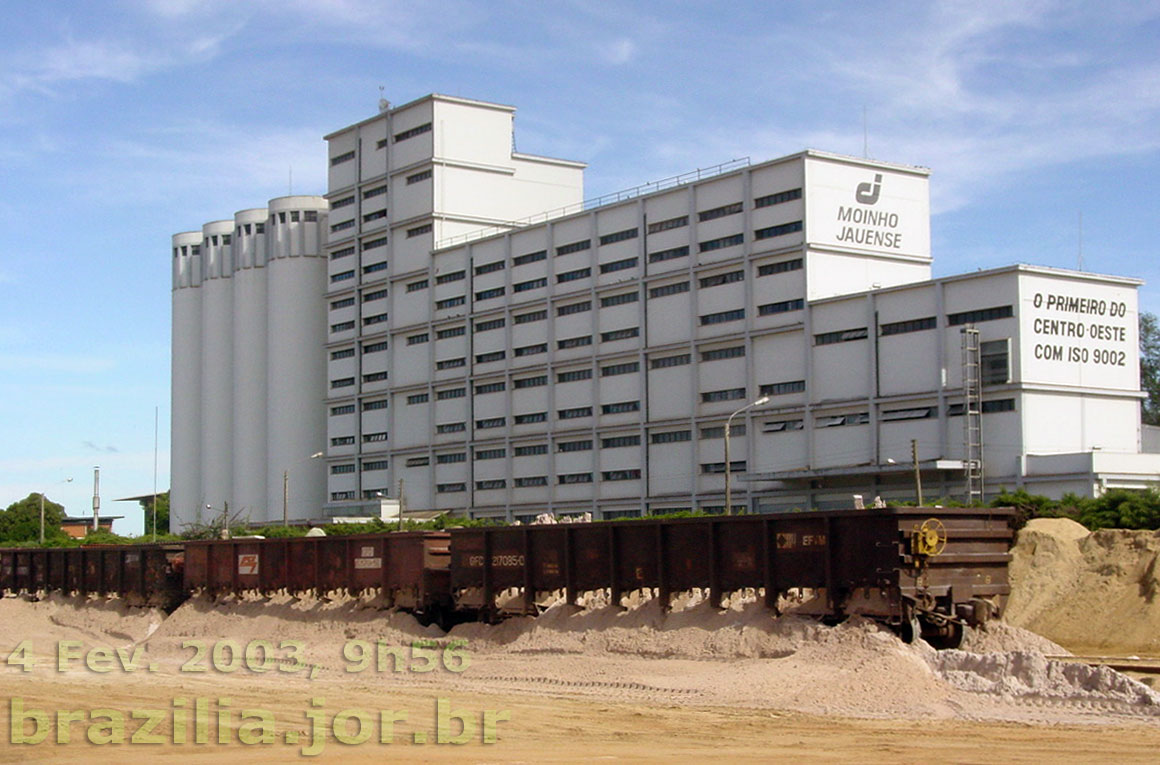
972 413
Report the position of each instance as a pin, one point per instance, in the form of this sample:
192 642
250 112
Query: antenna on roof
290 180
1079 253
384 104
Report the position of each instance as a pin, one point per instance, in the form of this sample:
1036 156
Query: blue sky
124 122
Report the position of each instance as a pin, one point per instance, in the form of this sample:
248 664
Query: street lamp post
67 480
728 470
286 491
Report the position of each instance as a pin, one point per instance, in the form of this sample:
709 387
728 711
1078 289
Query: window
370 438
917 413
454 276
620 407
565 310
839 420
338 496
671 361
722 317
490 422
490 454
911 325
715 354
735 466
411 133
567 478
530 382
780 268
671 437
532 284
379 404
448 459
718 431
450 302
782 426
621 299
528 451
532 350
566 249
371 244
619 334
382 142
377 318
417 339
450 488
451 363
375 347
616 442
341 409
778 198
782 230
527 318
491 387
340 158
531 257
668 289
620 475
574 342
342 276
719 279
535 480
342 441
782 388
719 212
721 243
574 375
665 225
443 395
619 236
376 215
994 355
574 413
618 265
342 253
491 483
784 306
345 353
417 398
1002 405
418 461
342 226
841 336
418 285
488 268
376 191
443 334
574 446
531 417
426 228
374 295
620 369
490 324
728 394
342 202
484 358
417 177
571 276
340 469
489 294
982 314
344 303
375 267
670 254
451 427
374 465
342 326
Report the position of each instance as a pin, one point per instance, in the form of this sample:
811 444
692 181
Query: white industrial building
453 323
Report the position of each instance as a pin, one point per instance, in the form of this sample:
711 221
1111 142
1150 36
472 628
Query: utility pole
917 475
402 504
285 497
96 498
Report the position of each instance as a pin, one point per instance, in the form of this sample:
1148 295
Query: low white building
495 346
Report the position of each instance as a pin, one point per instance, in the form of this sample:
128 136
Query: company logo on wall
867 193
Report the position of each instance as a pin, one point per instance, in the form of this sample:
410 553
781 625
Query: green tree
162 513
1150 368
20 522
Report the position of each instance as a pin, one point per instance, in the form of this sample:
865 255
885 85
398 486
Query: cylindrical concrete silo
185 502
217 364
249 364
296 356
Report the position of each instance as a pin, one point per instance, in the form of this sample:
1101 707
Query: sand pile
95 622
1094 593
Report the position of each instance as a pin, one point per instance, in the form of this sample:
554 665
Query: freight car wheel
910 630
947 637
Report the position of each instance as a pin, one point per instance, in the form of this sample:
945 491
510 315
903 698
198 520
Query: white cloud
58 363
618 51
